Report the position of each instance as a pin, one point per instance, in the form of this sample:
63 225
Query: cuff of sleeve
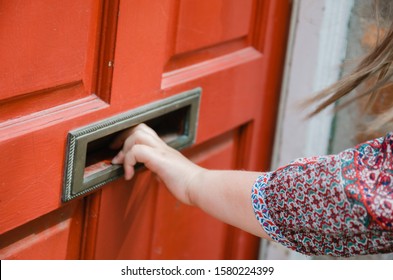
262 212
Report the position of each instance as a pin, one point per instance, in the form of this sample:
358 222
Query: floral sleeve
340 205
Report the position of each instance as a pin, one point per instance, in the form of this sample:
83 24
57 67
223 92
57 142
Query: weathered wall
351 125
316 29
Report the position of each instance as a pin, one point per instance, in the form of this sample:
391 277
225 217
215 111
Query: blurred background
327 39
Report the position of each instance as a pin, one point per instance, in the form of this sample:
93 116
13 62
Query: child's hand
225 195
142 144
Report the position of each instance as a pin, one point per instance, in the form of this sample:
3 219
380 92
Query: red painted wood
125 54
126 219
34 53
184 232
56 235
205 23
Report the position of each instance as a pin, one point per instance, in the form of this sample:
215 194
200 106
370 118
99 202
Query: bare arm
225 195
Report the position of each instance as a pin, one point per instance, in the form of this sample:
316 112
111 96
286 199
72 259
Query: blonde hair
369 78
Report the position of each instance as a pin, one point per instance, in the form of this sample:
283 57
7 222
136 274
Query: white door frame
316 49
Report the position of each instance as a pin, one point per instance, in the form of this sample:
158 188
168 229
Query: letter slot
88 155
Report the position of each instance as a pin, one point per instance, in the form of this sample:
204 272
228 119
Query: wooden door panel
142 220
185 232
41 47
126 219
87 60
47 58
206 30
206 23
56 235
231 70
55 76
228 88
56 71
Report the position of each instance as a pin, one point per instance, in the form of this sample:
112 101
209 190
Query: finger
118 142
119 158
129 171
149 156
142 136
128 164
136 155
139 136
146 129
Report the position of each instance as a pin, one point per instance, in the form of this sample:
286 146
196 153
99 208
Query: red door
67 64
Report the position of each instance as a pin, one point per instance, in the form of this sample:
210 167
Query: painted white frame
316 49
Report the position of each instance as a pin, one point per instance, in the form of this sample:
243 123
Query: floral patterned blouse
339 205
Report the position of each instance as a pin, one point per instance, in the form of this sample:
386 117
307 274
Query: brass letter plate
87 163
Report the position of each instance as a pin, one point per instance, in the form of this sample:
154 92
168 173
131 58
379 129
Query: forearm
226 195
